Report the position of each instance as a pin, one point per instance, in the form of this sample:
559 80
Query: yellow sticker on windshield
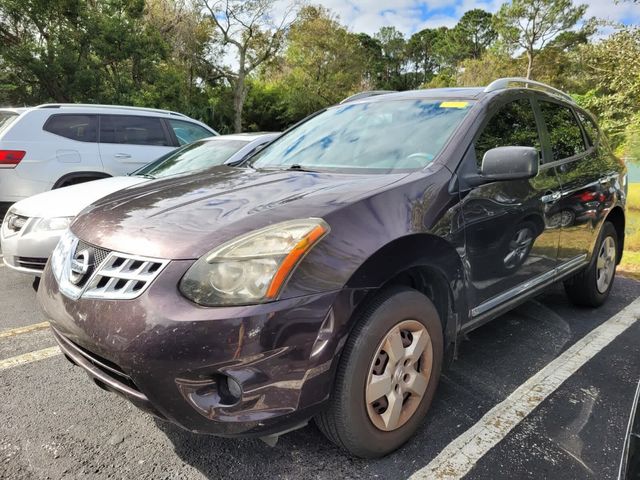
454 104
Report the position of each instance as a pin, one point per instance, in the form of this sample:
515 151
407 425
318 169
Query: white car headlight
13 223
52 224
254 267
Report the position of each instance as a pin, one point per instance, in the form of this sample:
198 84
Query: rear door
127 142
585 193
187 132
509 244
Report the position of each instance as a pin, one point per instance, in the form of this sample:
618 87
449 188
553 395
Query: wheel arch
436 271
617 218
78 177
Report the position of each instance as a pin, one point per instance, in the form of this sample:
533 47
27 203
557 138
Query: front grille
31 263
99 254
123 277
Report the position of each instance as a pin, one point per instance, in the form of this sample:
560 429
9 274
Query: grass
630 265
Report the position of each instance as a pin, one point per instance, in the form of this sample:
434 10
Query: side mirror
509 163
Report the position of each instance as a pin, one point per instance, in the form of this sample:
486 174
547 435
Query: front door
509 242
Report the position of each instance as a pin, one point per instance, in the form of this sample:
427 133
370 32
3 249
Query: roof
464 93
101 107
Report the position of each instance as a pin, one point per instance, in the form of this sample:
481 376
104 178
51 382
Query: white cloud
407 15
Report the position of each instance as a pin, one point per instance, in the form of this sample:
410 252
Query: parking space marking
460 456
22 330
29 358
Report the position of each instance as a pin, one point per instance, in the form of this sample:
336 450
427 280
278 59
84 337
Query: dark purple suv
332 276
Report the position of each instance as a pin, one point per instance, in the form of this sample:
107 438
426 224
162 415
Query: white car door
127 142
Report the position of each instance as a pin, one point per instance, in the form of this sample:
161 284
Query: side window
83 128
564 132
132 130
589 127
187 132
513 125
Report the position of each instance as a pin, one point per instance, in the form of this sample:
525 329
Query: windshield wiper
296 167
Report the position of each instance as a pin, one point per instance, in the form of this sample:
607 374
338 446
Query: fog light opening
229 389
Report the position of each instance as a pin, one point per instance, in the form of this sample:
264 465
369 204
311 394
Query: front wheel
591 287
387 375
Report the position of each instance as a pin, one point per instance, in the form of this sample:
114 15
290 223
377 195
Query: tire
349 419
583 289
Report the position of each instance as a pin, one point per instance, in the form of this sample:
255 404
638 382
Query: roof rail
369 93
503 83
122 107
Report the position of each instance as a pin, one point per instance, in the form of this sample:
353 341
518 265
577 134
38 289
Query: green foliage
611 72
175 54
323 63
531 24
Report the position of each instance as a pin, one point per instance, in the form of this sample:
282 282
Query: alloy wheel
605 264
519 247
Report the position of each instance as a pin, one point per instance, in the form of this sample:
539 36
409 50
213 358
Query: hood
70 201
185 217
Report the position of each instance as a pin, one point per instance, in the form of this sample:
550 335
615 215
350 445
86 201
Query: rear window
6 119
82 128
589 127
188 132
133 130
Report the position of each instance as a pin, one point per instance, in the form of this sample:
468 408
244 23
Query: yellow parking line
29 357
21 330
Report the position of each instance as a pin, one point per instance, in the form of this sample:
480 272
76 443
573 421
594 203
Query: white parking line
460 456
22 330
29 358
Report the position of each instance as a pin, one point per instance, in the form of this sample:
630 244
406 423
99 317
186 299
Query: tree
482 71
421 49
249 28
394 57
611 71
371 51
78 51
323 63
531 24
475 32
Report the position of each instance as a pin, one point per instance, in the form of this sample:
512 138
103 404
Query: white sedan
32 227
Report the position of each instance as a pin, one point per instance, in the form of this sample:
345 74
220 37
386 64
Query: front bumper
166 354
27 251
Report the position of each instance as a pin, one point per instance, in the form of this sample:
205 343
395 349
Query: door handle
551 197
122 155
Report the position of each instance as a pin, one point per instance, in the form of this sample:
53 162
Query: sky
410 16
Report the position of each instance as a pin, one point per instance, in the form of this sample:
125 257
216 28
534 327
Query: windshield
6 119
195 156
376 137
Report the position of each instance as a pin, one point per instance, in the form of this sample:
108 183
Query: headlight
52 224
60 255
252 268
13 223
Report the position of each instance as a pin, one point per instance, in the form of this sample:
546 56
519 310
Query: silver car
33 226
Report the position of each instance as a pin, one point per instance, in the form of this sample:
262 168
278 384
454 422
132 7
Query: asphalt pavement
55 423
